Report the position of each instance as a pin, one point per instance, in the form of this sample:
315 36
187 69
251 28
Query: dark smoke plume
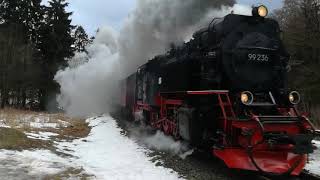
155 24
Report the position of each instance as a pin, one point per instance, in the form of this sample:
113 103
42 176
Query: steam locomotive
226 89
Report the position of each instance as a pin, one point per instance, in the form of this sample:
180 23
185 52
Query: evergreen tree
56 40
28 13
55 45
20 21
36 42
81 39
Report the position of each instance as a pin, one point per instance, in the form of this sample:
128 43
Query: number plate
258 57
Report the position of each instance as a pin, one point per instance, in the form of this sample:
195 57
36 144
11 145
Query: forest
35 41
300 24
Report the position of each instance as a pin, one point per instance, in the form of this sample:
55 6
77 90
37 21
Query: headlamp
246 97
261 11
294 97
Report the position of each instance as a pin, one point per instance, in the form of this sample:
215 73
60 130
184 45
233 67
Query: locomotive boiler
226 90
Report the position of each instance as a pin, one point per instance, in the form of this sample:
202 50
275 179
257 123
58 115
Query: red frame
276 160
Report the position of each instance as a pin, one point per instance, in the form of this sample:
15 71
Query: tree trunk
24 98
43 99
4 98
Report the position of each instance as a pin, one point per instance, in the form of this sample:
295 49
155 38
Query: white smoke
86 89
158 140
162 142
88 86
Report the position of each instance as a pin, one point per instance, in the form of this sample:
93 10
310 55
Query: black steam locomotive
226 89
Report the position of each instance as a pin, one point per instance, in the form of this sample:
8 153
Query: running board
278 119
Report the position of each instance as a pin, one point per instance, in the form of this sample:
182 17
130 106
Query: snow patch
39 162
33 121
313 166
41 135
3 124
63 124
106 153
43 125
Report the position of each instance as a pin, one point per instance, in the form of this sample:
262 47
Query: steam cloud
156 140
87 89
149 30
161 142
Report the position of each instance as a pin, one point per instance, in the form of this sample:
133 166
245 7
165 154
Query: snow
313 166
41 135
43 125
63 124
106 153
33 121
43 122
3 124
39 162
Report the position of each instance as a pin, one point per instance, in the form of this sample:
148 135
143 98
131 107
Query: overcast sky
92 14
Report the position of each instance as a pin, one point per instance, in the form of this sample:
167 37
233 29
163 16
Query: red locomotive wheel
166 127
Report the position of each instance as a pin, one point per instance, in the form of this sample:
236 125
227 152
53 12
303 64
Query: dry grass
78 129
11 117
13 139
22 118
22 121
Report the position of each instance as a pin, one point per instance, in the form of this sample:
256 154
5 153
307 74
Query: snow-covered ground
105 154
109 155
313 165
31 164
